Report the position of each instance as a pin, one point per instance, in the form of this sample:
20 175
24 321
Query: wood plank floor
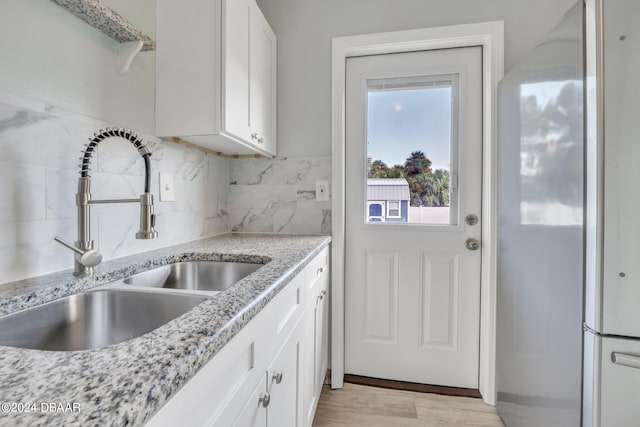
364 406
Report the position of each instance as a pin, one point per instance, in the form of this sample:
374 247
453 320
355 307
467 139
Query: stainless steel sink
194 275
92 319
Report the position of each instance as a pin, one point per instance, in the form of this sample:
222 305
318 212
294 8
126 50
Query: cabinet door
322 335
254 414
235 78
262 84
309 395
283 384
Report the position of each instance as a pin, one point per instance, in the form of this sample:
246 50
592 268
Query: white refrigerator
611 385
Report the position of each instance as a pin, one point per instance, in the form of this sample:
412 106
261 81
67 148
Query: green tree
379 169
417 163
429 189
426 187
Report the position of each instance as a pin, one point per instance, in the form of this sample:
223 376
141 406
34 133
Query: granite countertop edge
125 384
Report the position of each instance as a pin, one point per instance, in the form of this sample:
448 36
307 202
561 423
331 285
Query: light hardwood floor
364 406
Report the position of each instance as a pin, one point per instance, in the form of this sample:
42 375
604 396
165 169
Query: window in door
412 149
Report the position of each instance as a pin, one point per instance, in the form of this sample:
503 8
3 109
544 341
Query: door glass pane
412 150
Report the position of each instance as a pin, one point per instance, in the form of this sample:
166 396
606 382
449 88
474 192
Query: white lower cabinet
316 331
283 383
271 373
253 414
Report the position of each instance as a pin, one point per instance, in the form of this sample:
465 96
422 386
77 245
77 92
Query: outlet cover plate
322 191
167 190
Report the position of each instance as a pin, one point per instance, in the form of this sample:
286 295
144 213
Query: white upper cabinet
216 75
262 85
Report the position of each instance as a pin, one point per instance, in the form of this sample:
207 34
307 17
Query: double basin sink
103 317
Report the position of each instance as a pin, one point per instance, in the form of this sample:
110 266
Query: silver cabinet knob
277 377
265 399
254 136
261 140
319 271
472 244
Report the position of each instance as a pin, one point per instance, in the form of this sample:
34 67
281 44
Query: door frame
489 35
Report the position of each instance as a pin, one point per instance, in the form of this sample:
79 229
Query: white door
412 286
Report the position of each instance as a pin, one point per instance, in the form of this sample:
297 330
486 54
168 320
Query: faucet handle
88 258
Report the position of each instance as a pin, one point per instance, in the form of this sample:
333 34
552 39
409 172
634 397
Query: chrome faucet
86 257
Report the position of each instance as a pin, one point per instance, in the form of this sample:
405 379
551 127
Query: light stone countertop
124 384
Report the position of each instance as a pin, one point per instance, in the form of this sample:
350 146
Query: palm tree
417 163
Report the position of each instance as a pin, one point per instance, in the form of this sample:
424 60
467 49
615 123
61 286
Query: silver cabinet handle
277 377
265 399
261 140
254 136
625 360
322 294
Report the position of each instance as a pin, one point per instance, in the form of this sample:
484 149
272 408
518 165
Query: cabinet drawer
230 373
290 307
317 268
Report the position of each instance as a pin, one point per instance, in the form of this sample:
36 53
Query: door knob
472 244
471 219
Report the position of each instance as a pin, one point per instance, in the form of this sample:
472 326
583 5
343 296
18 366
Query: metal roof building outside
387 189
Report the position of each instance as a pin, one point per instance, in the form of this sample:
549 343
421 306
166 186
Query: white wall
52 56
39 150
305 28
58 85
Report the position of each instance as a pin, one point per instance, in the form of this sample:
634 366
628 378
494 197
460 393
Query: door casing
489 35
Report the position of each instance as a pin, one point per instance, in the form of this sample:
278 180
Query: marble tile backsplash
278 195
40 146
39 150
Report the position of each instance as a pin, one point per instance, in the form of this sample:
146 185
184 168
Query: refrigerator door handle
625 360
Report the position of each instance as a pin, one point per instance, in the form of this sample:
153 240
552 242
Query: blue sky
403 121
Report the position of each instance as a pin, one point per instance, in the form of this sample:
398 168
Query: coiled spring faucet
86 257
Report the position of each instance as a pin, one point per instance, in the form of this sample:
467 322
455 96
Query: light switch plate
322 191
167 190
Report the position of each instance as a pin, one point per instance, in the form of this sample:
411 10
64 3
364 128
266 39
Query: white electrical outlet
322 191
167 191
